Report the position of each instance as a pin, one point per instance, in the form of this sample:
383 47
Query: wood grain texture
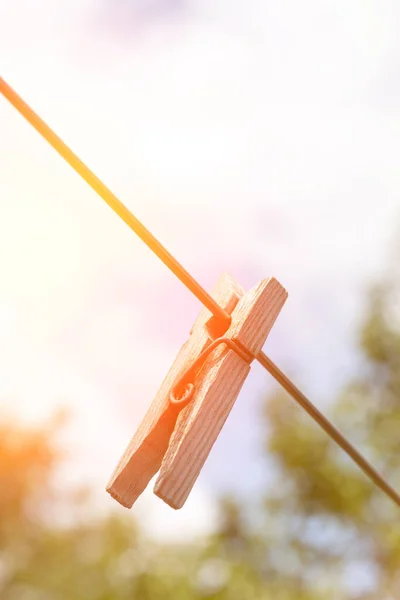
216 389
144 454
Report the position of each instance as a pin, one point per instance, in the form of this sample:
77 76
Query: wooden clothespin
196 397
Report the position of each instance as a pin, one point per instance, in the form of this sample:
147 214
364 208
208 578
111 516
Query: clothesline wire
205 298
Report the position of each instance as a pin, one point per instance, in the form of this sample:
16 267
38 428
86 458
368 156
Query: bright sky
255 137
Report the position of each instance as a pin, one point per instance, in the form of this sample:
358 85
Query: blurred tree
329 531
321 531
52 548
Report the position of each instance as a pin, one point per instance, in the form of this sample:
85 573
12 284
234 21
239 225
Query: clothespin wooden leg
217 386
143 457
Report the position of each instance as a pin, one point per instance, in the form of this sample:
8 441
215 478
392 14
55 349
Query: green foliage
338 525
320 531
41 556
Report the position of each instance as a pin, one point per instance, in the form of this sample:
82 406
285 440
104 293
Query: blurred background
258 138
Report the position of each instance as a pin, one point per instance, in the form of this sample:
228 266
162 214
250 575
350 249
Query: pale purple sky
258 138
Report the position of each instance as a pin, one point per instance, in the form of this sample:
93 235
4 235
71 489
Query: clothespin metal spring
183 390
